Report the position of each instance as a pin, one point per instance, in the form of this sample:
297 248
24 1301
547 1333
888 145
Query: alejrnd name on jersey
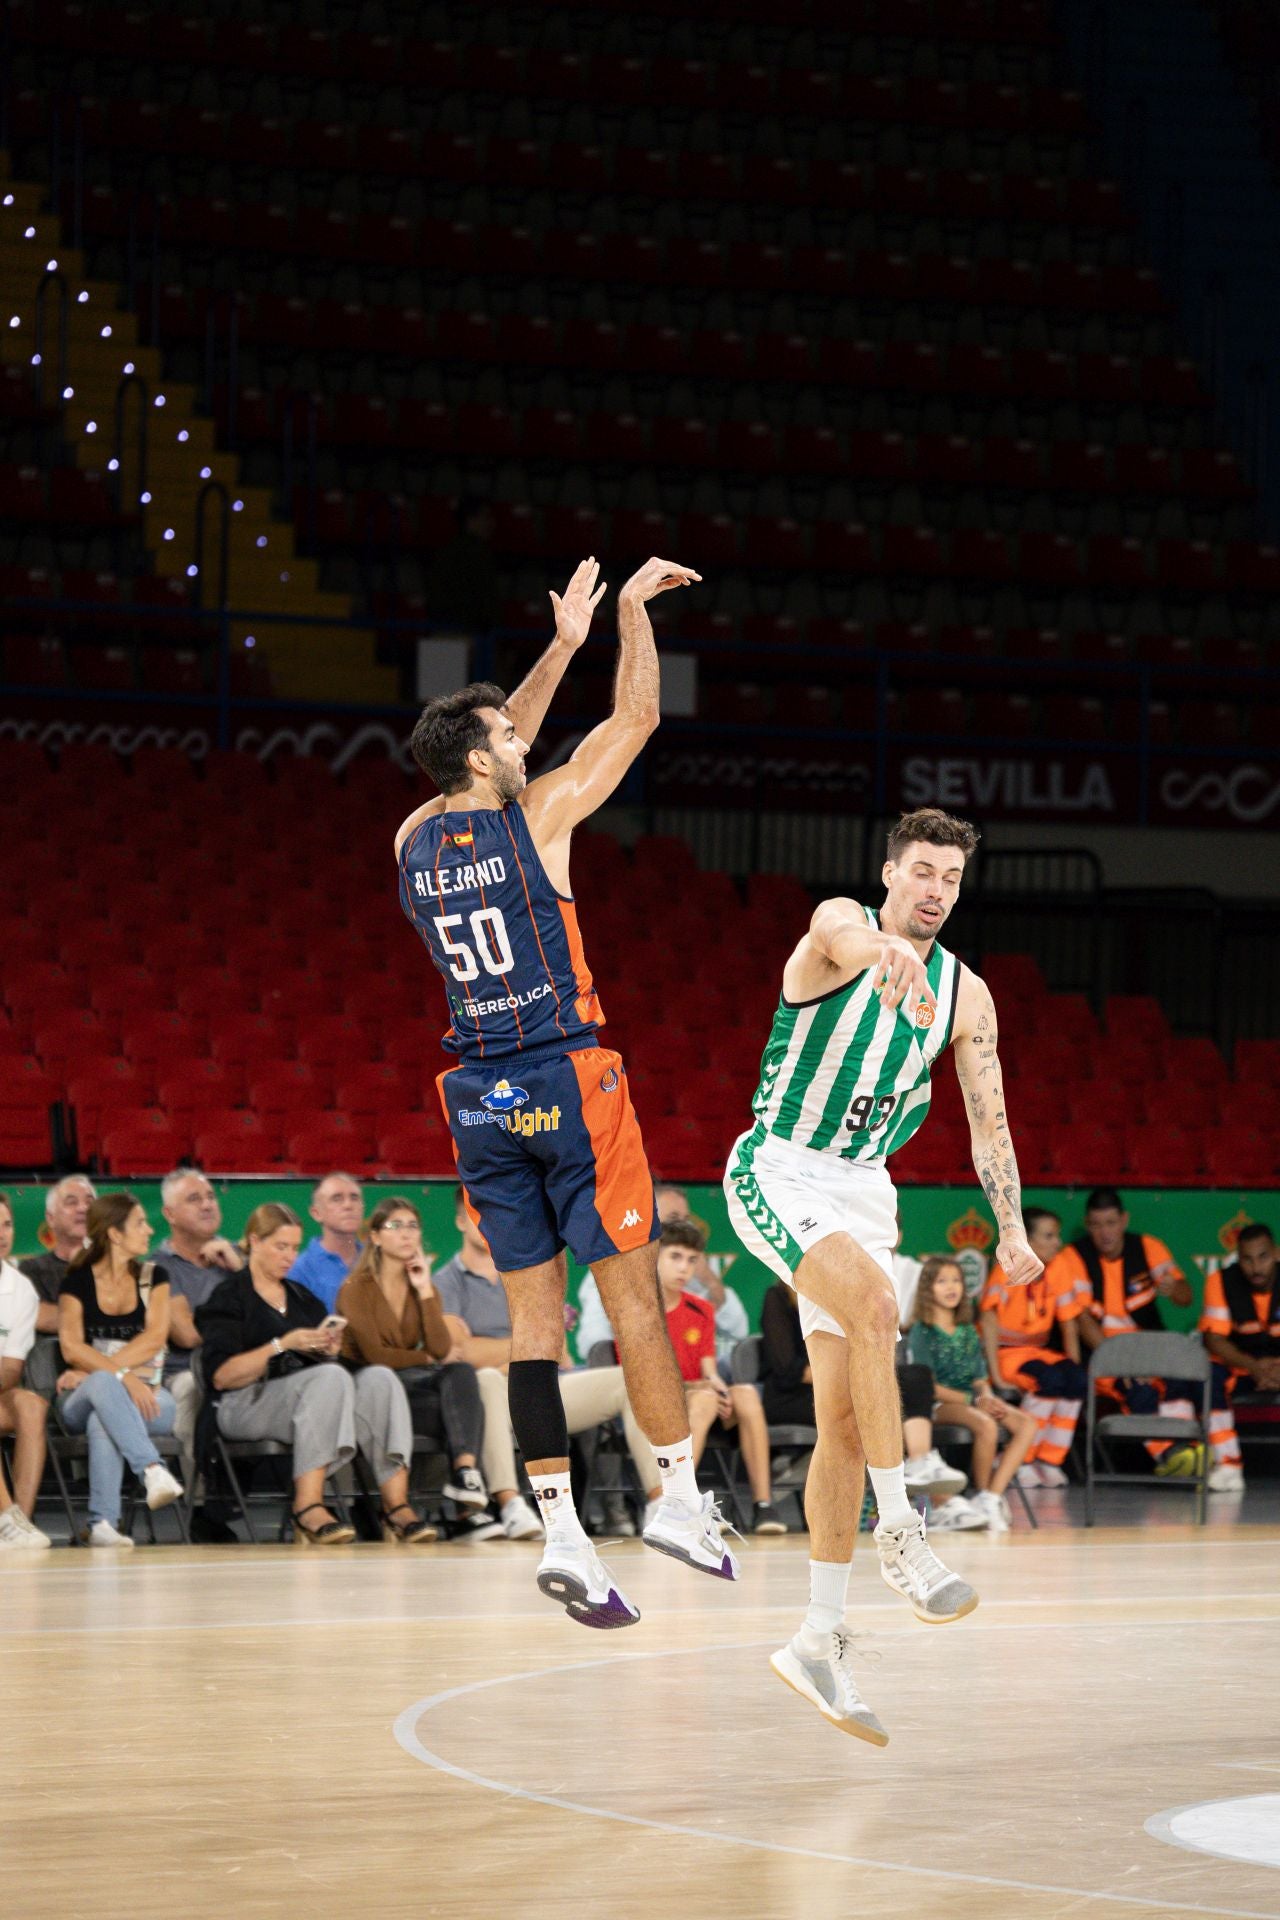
510 1003
432 885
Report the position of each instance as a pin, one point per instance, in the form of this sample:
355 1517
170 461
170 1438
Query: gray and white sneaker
909 1565
519 1521
693 1534
12 1537
572 1573
466 1488
931 1474
33 1536
957 1515
827 1682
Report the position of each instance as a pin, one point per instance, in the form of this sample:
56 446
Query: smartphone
332 1323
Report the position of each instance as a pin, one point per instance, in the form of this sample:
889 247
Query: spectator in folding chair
394 1320
197 1258
691 1326
1241 1324
479 1319
270 1357
1019 1328
22 1413
113 1323
732 1323
1128 1274
66 1211
337 1207
944 1338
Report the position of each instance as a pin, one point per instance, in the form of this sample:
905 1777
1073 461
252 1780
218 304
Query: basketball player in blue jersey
547 1143
870 1000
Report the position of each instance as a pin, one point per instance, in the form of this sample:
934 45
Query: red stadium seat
1164 1155
331 1140
1240 1156
146 1143
240 1142
417 1146
1087 1154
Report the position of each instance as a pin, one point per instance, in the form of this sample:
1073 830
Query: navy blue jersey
503 940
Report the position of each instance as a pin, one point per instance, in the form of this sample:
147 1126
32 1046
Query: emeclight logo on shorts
508 1106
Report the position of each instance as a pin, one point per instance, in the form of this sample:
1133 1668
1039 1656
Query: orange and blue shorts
549 1154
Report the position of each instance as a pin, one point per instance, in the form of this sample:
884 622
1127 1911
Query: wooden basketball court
386 1732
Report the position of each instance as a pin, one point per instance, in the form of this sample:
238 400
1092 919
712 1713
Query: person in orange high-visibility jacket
1019 1326
1240 1320
1128 1275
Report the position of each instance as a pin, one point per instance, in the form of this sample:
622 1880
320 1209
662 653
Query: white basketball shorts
784 1199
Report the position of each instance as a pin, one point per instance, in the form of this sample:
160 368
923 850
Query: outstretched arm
528 705
555 802
978 1066
840 933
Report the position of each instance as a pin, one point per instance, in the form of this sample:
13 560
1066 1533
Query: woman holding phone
113 1325
394 1319
270 1359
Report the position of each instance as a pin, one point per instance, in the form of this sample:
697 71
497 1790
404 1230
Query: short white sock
890 1487
675 1468
828 1593
554 1495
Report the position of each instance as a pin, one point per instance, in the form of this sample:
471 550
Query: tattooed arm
978 1066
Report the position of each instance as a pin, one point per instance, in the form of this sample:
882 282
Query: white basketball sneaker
931 1474
692 1534
827 1682
103 1534
572 1573
910 1566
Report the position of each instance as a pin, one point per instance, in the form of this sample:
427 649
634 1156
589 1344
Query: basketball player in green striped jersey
870 1001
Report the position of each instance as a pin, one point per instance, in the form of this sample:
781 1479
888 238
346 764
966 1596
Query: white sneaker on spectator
103 1534
519 1521
827 1682
1031 1474
33 1536
572 1573
909 1565
479 1526
692 1534
1226 1480
994 1508
1050 1476
466 1488
12 1537
162 1488
957 1515
931 1474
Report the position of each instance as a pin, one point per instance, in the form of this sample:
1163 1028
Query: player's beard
508 783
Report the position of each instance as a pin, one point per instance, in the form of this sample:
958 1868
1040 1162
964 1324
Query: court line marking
1160 1827
788 1607
405 1730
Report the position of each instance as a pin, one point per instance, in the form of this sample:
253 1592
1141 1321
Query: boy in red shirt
691 1323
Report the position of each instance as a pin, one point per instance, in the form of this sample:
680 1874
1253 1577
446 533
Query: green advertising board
1198 1226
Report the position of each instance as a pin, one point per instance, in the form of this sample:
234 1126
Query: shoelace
922 1559
712 1517
846 1644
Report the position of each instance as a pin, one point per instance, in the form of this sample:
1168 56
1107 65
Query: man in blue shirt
337 1207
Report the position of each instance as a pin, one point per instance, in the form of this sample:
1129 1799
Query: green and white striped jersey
844 1076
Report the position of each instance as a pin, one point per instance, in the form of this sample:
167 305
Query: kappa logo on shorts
609 1082
629 1219
504 1098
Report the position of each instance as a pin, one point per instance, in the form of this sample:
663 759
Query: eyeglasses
400 1226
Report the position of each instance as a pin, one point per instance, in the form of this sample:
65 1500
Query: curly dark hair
449 728
935 828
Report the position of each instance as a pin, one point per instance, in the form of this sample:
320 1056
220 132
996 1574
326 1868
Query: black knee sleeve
915 1390
537 1411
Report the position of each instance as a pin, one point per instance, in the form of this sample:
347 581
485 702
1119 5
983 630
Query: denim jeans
101 1408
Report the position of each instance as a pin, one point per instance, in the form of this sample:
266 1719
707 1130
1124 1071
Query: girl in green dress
944 1338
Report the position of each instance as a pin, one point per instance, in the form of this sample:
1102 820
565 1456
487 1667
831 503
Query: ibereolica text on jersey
485 873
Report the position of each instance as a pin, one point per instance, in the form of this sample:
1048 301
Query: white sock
554 1495
828 1592
890 1487
675 1468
